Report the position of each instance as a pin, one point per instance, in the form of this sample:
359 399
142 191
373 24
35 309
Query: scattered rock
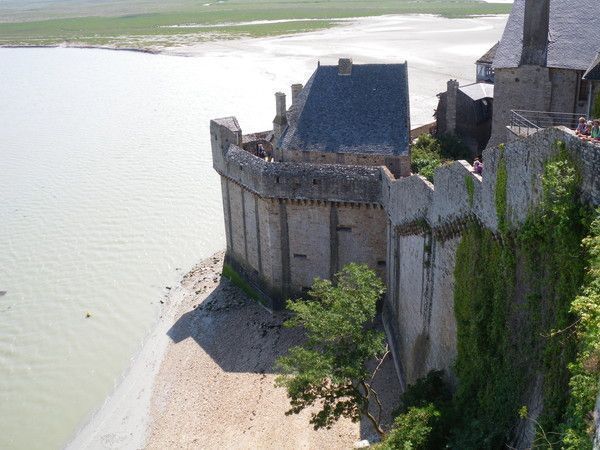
168 287
88 315
162 302
361 444
2 293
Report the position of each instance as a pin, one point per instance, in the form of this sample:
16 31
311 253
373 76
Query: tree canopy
330 369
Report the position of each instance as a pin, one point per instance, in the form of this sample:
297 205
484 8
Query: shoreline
204 379
89 47
122 421
176 50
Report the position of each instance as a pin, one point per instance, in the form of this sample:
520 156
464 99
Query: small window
277 180
300 256
344 229
380 263
315 181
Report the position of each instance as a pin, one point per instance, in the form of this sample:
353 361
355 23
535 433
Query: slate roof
488 58
478 91
593 72
366 112
574 35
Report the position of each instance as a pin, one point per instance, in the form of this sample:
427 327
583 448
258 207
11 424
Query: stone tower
527 85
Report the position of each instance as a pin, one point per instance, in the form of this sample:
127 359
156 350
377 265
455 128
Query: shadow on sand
242 336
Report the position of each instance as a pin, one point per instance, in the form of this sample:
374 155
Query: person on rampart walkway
581 127
269 154
478 167
260 151
595 133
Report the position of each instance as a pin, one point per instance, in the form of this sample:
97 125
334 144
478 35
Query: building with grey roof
593 73
466 112
545 51
484 65
348 114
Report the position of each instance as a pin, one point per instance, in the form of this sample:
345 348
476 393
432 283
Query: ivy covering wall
527 306
513 305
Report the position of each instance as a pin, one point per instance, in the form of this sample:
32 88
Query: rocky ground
214 388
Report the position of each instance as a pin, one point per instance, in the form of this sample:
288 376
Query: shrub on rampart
429 152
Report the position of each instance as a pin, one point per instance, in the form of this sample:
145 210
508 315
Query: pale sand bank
204 379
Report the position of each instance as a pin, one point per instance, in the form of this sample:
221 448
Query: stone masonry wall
525 87
425 224
398 165
288 223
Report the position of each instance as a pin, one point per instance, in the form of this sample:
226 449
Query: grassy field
153 24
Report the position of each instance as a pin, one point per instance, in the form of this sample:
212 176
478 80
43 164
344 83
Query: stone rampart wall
425 224
288 223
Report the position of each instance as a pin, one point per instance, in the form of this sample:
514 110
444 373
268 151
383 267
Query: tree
412 429
330 369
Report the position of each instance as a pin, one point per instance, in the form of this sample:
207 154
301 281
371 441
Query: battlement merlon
224 132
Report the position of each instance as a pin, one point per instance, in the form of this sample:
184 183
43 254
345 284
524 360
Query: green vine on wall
512 299
470 185
501 194
585 371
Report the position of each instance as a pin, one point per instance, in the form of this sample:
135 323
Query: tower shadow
241 336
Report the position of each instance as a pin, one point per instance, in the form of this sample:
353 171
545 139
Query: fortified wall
425 228
288 223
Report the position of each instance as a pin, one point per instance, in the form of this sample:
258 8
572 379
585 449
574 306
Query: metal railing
525 123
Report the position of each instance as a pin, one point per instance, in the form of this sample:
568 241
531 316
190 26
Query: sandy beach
204 379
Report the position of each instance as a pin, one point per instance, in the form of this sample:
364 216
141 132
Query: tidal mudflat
108 189
152 24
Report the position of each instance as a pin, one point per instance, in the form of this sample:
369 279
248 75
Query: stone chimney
345 66
296 88
280 120
451 95
536 25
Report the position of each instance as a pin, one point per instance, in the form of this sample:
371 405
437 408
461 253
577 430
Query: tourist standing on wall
260 151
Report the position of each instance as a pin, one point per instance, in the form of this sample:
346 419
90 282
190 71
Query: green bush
413 429
452 147
585 371
429 152
426 156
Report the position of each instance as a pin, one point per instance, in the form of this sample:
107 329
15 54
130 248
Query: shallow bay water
107 193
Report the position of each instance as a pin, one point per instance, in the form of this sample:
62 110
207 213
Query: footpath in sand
215 387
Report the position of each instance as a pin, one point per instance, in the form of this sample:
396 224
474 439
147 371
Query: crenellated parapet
301 181
288 223
427 221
